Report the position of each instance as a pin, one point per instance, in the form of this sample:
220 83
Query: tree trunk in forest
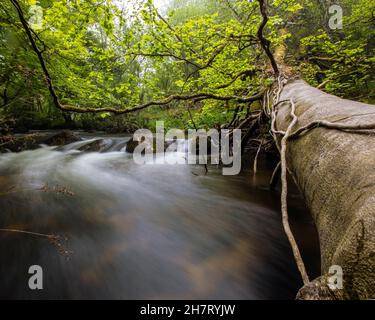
335 171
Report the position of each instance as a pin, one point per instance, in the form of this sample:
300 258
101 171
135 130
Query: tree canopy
204 56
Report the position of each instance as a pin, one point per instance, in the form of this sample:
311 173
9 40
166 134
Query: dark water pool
144 232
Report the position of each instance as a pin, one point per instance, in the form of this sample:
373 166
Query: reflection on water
151 231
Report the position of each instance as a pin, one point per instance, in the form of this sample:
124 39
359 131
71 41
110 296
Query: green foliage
342 58
102 53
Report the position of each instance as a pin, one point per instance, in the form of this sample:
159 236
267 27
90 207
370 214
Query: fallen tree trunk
335 171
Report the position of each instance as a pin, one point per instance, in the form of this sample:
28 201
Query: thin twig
274 177
265 43
49 236
196 128
256 157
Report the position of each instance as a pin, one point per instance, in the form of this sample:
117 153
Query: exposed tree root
284 195
256 157
196 128
358 128
275 176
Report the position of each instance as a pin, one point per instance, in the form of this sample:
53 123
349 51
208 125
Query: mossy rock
132 144
18 144
61 138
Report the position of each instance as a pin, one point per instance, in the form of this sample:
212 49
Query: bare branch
234 11
247 72
265 42
168 25
196 96
166 54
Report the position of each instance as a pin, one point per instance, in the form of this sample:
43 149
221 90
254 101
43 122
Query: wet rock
93 146
318 289
132 144
19 143
61 138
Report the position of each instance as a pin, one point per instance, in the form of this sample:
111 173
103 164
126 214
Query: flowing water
133 231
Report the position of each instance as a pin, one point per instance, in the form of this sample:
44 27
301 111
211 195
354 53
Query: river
132 231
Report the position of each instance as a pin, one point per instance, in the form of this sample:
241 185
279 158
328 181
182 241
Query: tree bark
335 171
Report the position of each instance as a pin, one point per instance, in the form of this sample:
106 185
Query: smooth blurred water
144 231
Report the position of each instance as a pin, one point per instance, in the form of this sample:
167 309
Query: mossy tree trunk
335 171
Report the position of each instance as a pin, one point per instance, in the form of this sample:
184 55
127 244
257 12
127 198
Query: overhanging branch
166 101
197 96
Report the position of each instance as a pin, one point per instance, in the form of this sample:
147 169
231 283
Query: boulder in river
61 138
19 143
93 146
132 144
